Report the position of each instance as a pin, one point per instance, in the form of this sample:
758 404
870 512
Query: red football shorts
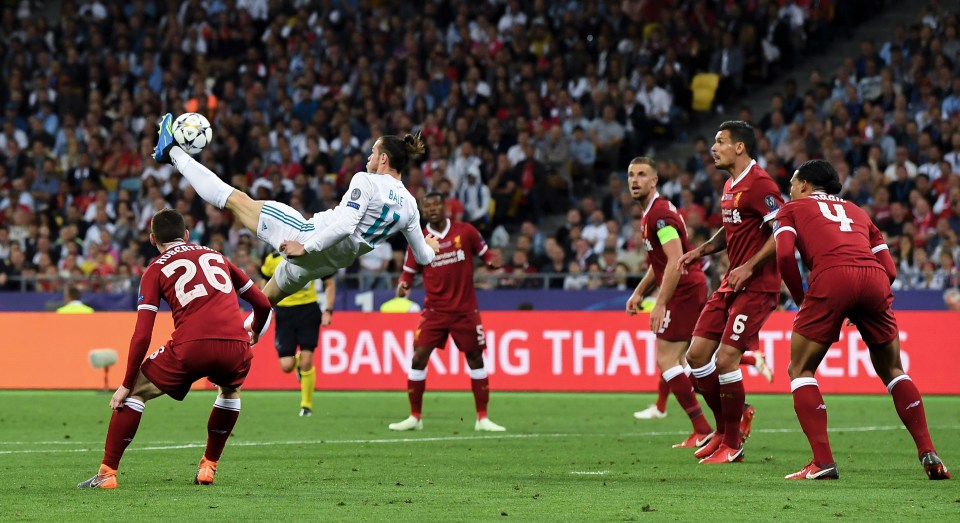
735 318
861 294
683 309
173 368
465 329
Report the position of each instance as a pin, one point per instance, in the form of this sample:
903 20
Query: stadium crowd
529 109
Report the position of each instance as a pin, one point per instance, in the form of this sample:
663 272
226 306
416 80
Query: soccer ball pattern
192 132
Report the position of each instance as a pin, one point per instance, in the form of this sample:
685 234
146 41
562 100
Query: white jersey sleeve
423 253
344 219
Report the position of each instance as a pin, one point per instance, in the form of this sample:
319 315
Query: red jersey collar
439 234
743 174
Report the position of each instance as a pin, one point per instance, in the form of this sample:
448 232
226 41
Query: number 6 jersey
201 287
830 232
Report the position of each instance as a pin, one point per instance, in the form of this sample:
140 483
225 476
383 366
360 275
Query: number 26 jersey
831 232
201 287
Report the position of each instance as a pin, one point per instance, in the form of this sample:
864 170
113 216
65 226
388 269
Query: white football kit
374 208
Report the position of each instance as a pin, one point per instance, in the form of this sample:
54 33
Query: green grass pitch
565 457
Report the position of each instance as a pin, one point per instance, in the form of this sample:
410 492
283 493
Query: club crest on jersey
736 199
770 201
456 242
355 194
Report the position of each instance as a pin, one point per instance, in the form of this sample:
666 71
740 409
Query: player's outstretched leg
223 417
756 360
416 384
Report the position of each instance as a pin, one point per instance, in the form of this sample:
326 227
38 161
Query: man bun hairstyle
820 174
167 226
741 131
402 151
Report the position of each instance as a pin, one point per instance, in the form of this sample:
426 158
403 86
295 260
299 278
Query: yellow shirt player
298 321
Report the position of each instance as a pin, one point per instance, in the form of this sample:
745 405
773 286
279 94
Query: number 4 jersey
201 287
831 232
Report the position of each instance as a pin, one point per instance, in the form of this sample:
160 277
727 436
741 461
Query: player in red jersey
731 320
449 309
681 295
850 275
208 340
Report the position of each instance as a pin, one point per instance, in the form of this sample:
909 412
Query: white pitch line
590 473
879 428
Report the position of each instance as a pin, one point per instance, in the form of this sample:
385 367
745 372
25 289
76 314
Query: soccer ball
192 132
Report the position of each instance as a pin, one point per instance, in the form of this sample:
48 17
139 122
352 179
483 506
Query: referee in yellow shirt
298 321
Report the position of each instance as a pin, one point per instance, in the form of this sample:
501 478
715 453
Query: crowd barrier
527 351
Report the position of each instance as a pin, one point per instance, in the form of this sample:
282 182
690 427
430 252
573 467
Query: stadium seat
704 87
103 359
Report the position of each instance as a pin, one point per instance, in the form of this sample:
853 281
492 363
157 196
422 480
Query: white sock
227 404
204 181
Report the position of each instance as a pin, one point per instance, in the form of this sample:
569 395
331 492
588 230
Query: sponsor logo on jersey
355 194
355 205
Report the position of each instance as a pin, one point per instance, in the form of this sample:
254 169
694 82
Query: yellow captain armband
667 233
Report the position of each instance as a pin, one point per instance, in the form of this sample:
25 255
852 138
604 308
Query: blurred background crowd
531 111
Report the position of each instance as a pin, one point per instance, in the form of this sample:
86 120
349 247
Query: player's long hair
167 226
741 131
402 151
819 173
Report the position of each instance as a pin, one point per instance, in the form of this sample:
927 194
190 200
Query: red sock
812 414
663 390
680 386
122 429
223 417
748 359
415 390
732 395
709 387
481 395
906 398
